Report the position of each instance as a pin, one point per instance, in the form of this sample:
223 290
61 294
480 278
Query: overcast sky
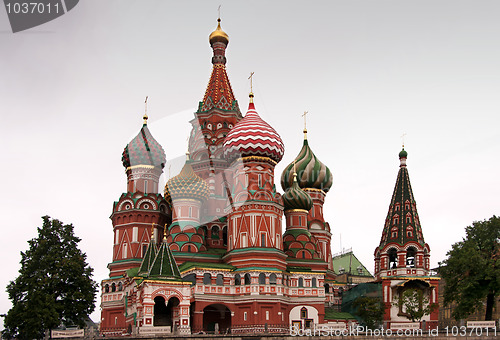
72 96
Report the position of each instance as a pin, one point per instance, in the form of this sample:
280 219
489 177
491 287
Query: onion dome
296 198
144 150
186 184
218 35
252 136
402 157
311 173
403 153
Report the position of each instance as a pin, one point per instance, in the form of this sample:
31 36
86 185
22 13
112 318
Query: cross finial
403 139
219 11
165 232
305 123
251 86
145 111
152 230
294 170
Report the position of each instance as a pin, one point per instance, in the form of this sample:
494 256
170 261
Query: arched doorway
215 317
164 312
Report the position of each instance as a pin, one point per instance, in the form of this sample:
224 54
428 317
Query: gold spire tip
145 117
152 230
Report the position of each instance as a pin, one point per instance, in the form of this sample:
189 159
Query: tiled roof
350 263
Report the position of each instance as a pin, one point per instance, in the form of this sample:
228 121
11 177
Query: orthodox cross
403 139
251 79
304 115
219 11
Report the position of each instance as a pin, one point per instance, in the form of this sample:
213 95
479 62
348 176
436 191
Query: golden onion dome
186 184
218 35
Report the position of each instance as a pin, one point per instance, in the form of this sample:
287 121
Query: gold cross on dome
218 9
403 139
251 79
304 115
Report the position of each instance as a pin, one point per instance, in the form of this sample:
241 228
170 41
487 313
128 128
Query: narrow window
207 279
144 249
272 279
303 313
393 258
248 280
263 240
145 187
259 178
190 212
219 280
124 251
314 282
267 315
301 282
245 316
262 279
237 280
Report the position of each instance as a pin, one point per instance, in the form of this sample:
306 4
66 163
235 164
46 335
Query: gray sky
72 96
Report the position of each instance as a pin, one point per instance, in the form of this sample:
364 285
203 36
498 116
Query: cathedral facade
210 253
220 250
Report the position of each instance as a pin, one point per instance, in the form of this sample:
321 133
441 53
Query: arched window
248 279
237 280
313 284
262 279
106 288
190 277
207 279
272 279
113 287
219 280
410 257
301 282
303 313
120 286
393 258
215 232
327 288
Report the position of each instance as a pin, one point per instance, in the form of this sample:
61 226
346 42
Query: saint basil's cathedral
211 253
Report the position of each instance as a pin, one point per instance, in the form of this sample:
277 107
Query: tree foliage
370 310
54 285
414 304
472 270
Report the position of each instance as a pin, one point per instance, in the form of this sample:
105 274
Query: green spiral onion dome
311 173
143 150
296 198
403 153
186 184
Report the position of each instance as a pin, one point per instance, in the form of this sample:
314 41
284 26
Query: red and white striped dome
252 136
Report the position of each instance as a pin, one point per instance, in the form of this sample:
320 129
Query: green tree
54 285
414 304
472 270
370 310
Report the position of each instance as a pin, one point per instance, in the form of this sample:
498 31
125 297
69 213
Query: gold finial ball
218 35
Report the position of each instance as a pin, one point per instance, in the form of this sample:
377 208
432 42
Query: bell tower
402 257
